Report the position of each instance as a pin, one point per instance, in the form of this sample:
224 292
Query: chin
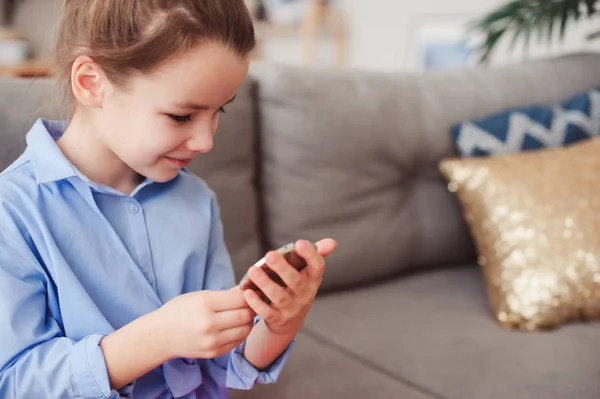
161 176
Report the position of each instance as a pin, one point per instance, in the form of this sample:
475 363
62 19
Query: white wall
381 31
37 20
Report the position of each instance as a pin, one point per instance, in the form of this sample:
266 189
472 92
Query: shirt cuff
89 369
242 375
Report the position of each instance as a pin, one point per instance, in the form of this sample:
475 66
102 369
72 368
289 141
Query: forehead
209 73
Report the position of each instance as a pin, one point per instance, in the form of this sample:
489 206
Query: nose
201 141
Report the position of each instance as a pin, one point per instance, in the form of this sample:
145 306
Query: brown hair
128 36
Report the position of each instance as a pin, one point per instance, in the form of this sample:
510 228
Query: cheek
122 122
163 137
136 132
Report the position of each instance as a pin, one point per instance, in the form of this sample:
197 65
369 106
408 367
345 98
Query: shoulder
19 169
19 193
18 196
18 183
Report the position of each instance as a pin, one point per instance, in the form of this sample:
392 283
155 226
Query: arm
134 350
36 360
201 324
284 316
241 369
264 347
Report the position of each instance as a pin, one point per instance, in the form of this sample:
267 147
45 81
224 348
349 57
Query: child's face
164 119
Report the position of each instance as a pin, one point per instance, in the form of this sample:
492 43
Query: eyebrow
199 107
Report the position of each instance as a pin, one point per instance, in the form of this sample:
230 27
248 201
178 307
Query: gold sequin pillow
535 220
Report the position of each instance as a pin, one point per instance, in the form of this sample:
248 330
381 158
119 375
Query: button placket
135 208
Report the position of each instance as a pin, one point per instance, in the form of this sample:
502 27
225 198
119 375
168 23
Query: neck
84 148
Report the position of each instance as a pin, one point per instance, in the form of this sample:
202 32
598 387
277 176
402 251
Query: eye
180 118
222 110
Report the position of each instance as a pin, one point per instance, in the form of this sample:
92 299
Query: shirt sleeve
36 359
238 373
233 370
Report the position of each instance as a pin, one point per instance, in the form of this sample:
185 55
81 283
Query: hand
205 324
290 305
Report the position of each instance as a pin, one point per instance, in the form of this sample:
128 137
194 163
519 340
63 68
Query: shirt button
134 208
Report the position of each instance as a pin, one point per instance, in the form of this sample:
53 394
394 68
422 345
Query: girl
114 277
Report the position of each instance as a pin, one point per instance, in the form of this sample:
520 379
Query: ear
88 82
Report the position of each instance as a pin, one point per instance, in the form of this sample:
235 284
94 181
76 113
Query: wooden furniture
322 20
29 69
328 17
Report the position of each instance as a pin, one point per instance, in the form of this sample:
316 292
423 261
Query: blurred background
407 312
382 35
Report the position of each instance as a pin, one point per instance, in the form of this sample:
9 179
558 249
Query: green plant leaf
551 19
564 19
540 23
504 12
490 42
522 17
520 26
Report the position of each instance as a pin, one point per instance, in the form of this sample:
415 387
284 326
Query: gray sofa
309 153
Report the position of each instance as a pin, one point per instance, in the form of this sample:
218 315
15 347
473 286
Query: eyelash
181 118
188 118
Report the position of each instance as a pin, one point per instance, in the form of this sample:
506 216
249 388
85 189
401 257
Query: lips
180 163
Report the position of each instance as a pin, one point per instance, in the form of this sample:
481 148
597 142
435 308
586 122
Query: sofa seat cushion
435 330
316 371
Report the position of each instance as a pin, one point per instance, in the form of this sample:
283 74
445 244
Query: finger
234 335
228 319
277 294
314 260
225 300
288 274
326 246
265 311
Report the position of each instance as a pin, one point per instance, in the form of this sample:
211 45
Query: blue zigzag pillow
530 128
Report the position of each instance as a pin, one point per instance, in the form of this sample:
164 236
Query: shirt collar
49 162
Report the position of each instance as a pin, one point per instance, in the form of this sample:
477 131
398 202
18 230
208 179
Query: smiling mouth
181 163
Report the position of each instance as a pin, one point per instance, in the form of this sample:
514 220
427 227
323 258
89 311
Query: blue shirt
79 260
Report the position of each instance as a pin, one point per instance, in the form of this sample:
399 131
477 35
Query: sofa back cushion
229 169
22 101
354 155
